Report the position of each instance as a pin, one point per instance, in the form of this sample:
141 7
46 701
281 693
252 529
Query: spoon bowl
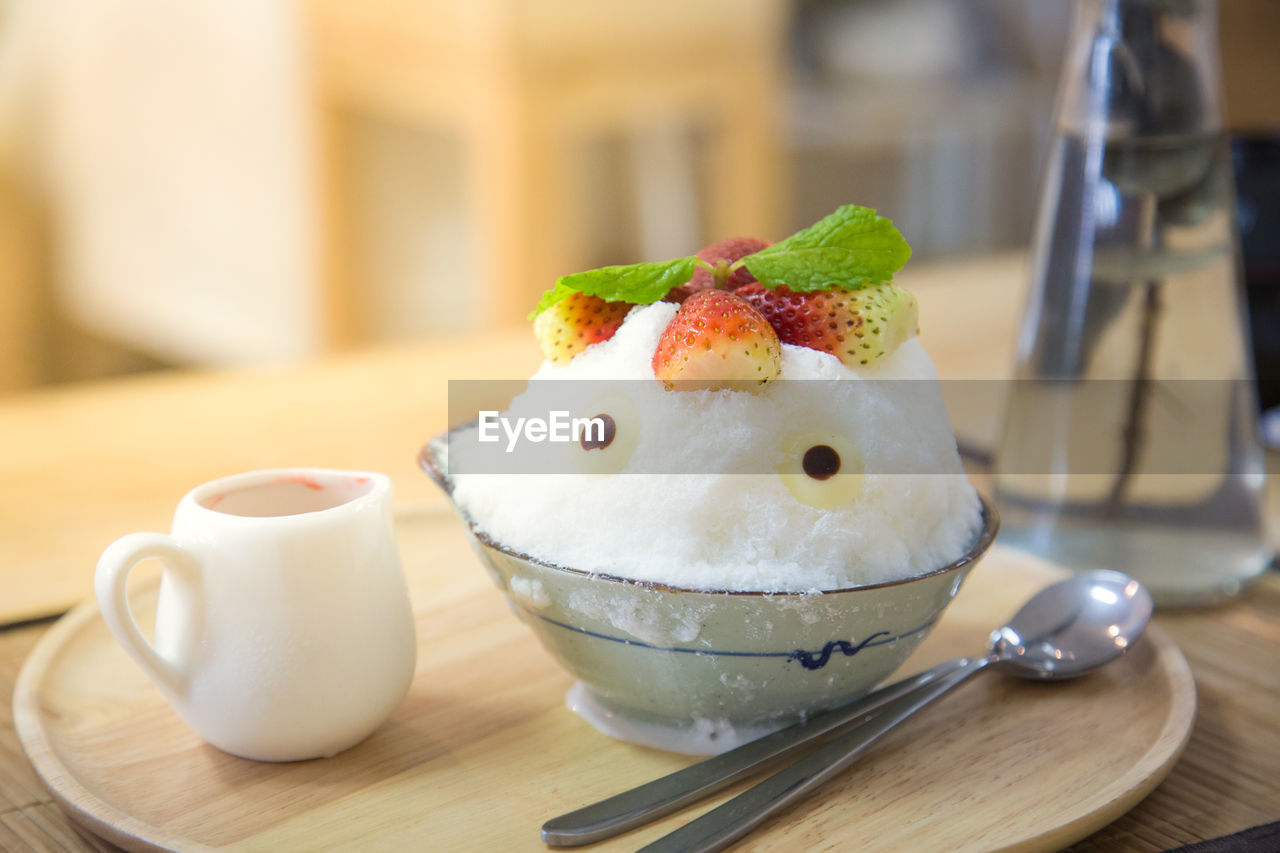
1072 627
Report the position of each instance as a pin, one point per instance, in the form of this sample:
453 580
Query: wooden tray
483 750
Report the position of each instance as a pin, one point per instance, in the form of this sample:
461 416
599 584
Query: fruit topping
826 287
719 257
575 322
859 327
717 337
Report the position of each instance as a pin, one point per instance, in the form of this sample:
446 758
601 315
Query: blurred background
246 181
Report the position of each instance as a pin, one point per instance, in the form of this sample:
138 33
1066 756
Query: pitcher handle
109 582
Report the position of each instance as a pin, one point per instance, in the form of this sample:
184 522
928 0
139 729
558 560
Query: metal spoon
1065 630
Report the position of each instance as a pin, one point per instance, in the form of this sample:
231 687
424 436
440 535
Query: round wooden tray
483 750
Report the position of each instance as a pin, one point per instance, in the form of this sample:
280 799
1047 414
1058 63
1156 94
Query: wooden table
81 466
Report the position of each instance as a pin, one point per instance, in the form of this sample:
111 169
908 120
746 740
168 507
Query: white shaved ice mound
742 528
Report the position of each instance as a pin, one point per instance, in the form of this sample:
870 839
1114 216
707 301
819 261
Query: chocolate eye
603 442
599 432
822 467
821 462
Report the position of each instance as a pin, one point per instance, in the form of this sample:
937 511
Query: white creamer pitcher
283 626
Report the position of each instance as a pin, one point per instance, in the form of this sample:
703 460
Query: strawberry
859 327
720 255
716 336
575 322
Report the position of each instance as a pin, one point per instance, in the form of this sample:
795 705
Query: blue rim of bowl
428 461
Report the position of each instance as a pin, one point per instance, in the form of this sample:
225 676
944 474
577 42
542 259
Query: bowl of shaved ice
755 508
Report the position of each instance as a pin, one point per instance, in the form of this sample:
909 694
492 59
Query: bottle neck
1141 68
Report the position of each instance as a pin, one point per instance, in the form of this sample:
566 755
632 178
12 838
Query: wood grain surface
483 748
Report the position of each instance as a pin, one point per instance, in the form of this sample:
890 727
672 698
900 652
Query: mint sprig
638 283
853 247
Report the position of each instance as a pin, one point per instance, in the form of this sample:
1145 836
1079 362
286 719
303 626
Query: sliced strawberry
575 322
725 252
859 327
714 337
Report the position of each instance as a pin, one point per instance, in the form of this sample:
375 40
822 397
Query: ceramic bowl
700 671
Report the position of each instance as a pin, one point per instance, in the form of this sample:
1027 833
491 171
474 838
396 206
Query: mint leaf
807 270
852 247
638 283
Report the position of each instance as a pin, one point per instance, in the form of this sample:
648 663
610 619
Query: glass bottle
1131 435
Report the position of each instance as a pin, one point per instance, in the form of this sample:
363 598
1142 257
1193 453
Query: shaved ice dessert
760 417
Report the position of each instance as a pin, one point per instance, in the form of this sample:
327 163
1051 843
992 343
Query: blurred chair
167 148
21 344
524 84
22 261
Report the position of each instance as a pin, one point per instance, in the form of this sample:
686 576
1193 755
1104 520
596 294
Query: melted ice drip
703 737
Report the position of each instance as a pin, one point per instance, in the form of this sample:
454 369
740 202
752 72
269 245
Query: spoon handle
726 823
648 802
